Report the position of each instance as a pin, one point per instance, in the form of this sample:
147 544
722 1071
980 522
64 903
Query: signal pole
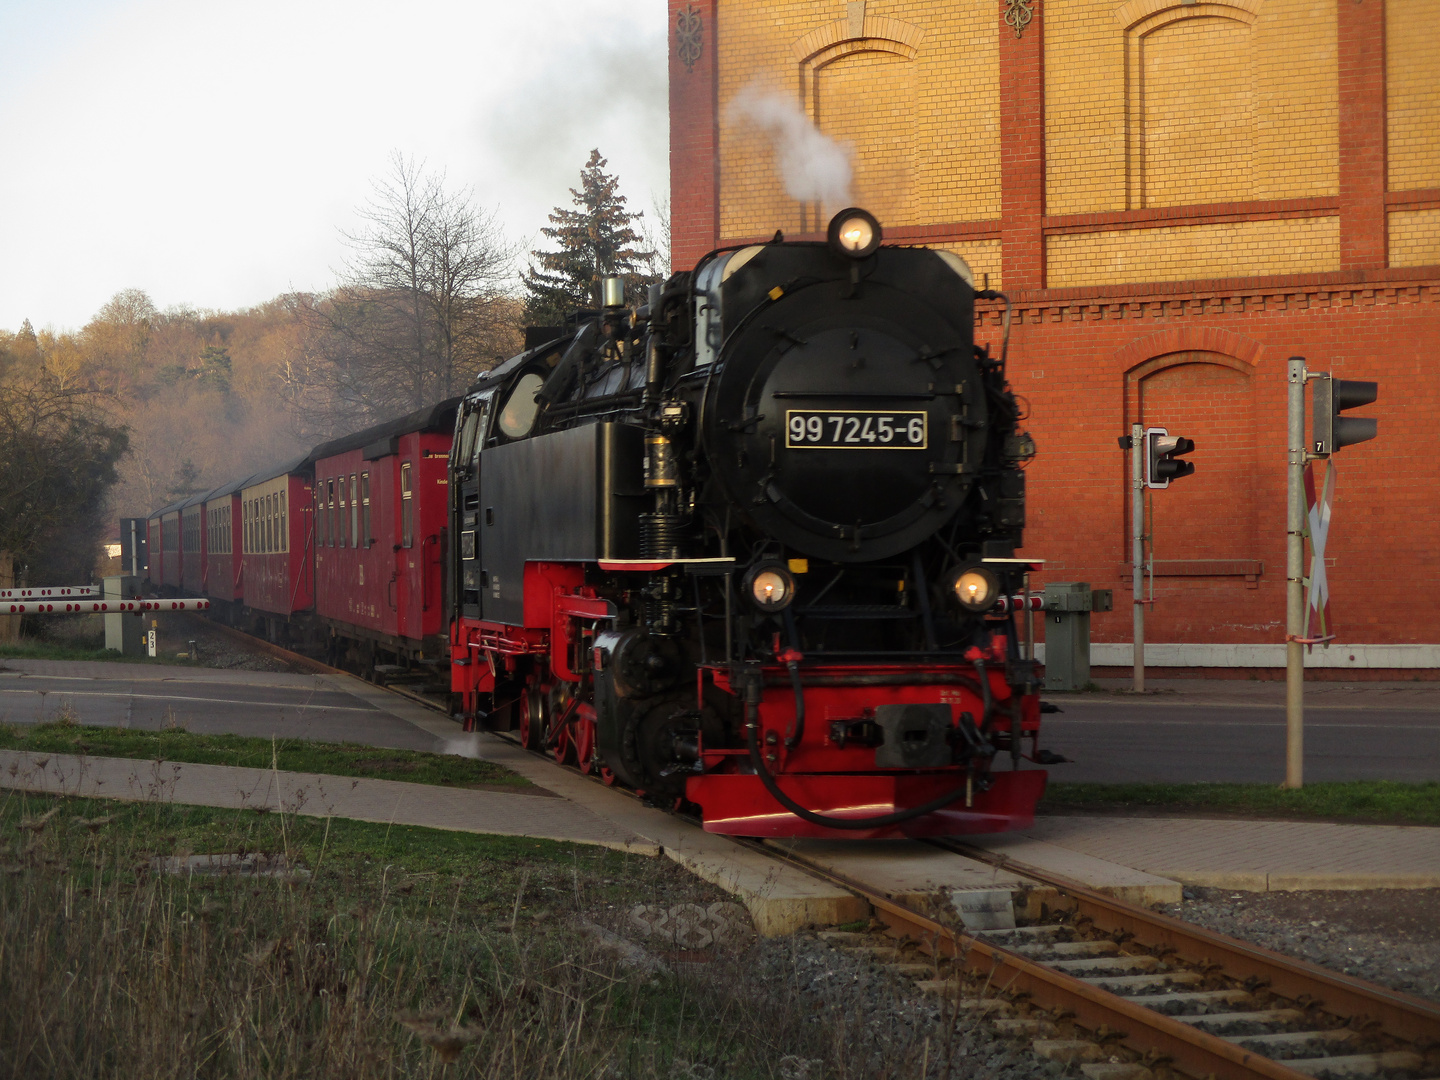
1137 547
1294 579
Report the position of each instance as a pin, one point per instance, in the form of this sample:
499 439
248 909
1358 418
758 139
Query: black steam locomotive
745 545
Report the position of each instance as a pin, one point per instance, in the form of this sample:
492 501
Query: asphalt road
1233 732
265 704
1177 742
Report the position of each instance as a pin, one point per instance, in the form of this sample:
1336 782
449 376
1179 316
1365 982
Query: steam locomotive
749 545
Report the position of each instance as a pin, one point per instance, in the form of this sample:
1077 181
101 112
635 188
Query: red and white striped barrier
93 607
72 591
1017 603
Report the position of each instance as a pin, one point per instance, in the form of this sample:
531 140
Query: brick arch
1187 339
842 37
1130 15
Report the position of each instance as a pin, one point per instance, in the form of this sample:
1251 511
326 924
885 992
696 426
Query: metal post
1137 547
1294 578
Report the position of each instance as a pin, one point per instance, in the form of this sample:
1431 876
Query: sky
213 154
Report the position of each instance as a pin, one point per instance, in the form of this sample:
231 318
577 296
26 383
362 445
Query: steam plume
813 166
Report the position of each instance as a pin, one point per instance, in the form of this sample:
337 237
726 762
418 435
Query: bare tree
423 304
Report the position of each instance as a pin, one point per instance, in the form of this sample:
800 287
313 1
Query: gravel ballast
1387 936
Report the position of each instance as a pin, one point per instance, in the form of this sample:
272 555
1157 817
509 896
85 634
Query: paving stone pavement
1256 855
315 795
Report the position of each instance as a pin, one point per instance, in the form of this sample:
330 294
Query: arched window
1191 108
1207 525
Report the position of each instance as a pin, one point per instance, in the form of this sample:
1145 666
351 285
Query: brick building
1176 195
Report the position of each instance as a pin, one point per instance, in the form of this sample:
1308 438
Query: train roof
439 417
293 466
230 488
169 508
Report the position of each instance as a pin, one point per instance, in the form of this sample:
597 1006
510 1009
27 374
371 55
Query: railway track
1134 994
1129 993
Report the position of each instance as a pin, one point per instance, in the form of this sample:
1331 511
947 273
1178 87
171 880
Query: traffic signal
1332 397
1162 457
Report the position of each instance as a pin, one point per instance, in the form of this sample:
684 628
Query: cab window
518 416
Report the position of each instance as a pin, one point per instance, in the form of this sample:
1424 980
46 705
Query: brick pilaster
1022 151
694 140
1360 28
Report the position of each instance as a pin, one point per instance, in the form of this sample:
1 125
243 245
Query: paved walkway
1257 856
314 795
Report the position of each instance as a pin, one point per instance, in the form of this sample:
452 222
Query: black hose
752 715
984 692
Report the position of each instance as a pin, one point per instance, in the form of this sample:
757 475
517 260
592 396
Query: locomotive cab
745 546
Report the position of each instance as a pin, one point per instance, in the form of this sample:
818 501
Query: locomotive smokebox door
916 736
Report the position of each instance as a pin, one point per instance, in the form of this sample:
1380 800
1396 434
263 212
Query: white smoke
813 166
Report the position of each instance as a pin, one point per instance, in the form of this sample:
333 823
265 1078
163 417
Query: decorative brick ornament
688 36
1018 14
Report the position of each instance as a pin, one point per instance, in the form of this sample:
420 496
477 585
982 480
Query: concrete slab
1255 856
907 871
781 899
1025 854
314 795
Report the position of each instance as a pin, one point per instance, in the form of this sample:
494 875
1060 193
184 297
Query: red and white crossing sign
1317 597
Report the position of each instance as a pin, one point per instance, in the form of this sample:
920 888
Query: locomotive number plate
855 429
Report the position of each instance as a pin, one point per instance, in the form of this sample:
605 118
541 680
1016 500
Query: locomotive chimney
613 292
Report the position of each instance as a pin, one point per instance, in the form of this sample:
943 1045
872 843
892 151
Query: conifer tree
595 240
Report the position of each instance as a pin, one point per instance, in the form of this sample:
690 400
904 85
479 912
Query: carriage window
282 535
407 507
518 416
319 513
365 509
269 523
328 508
354 511
343 503
246 546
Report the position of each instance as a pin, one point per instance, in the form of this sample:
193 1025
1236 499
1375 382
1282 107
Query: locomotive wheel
607 775
532 718
583 734
562 748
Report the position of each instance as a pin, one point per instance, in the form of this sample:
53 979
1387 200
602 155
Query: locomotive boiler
744 546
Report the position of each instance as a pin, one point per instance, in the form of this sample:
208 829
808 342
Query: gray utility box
124 633
1068 605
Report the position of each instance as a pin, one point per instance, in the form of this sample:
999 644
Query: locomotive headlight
854 233
770 587
975 587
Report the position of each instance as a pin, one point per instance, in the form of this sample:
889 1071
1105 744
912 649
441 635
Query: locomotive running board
737 804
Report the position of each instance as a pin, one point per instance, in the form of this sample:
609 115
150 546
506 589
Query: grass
1385 801
35 649
405 952
288 755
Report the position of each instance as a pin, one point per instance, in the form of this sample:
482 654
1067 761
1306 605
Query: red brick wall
1075 362
694 139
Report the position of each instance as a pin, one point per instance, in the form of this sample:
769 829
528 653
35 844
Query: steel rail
1141 1029
1399 1014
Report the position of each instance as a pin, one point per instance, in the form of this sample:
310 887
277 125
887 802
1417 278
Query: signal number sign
850 429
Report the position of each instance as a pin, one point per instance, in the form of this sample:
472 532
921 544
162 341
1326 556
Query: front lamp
976 588
854 233
770 587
